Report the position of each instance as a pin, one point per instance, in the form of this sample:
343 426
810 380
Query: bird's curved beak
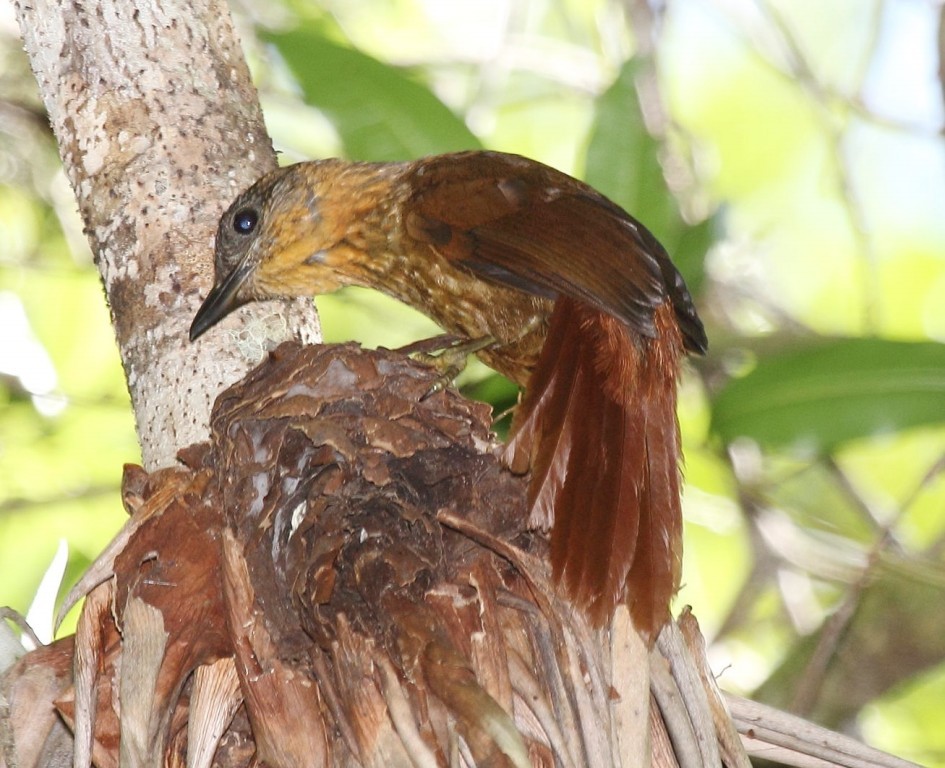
222 300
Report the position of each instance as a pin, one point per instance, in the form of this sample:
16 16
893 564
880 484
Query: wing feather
523 224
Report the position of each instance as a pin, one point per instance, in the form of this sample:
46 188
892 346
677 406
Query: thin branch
869 515
772 734
812 678
9 614
825 100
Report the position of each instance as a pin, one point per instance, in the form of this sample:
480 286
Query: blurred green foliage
829 391
788 154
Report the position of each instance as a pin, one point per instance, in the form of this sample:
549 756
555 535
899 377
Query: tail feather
598 429
658 561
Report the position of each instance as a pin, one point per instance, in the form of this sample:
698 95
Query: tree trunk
159 127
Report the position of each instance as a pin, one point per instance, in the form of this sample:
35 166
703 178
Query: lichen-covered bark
159 127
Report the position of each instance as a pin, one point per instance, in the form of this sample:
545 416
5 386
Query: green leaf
623 163
622 157
834 390
379 111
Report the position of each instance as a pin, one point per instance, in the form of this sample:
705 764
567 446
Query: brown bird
578 302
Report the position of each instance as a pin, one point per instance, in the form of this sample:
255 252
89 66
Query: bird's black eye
245 220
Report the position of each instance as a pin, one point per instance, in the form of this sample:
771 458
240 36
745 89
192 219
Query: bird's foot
446 354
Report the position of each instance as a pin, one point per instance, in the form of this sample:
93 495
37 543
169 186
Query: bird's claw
451 359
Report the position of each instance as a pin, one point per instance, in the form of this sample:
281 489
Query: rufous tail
598 429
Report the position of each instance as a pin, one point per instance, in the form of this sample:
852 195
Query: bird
557 287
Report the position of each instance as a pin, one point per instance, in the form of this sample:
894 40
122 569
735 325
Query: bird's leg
451 358
425 347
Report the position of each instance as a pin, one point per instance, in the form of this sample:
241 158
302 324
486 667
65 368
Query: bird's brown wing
597 427
526 225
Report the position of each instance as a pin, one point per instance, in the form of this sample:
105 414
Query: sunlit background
790 156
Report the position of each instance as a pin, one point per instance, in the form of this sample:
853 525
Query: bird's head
287 235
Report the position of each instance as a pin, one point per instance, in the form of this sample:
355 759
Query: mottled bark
159 127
